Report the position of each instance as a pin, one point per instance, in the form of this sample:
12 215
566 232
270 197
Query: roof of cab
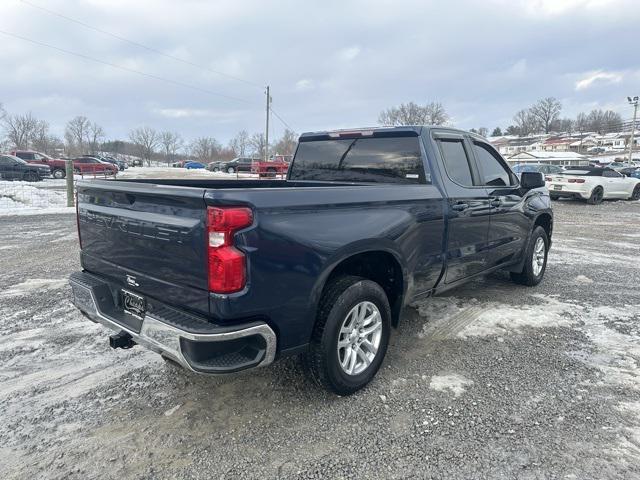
404 130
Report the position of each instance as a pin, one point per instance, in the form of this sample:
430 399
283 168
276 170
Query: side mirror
531 180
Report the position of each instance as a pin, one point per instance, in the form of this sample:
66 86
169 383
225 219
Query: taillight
547 179
576 180
227 264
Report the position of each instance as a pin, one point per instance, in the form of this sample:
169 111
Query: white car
592 184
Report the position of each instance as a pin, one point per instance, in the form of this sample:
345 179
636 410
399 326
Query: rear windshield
375 160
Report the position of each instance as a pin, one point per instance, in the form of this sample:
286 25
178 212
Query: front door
469 209
509 226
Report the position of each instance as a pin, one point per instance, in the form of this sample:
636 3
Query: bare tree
582 122
205 149
546 111
20 129
286 145
95 135
240 143
526 122
171 142
413 114
483 131
258 145
146 139
76 134
565 125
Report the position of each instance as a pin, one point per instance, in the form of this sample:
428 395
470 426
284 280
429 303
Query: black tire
31 177
76 171
554 197
58 173
321 361
231 170
527 276
596 196
271 172
636 193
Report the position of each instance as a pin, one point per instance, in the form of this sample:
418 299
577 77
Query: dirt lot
492 380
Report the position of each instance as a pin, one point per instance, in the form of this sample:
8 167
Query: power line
140 45
126 69
281 120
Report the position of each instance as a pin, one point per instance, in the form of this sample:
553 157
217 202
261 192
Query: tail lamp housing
227 268
576 180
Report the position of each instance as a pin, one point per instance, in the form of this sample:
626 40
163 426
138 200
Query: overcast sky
330 64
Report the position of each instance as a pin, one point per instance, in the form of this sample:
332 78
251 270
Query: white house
552 158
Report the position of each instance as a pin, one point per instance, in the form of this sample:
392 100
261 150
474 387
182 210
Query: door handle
458 207
495 202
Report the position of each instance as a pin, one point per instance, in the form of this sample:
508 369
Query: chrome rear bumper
220 350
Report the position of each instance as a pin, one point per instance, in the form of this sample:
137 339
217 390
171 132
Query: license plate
134 304
557 187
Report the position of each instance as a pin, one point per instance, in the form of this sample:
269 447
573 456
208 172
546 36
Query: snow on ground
170 172
25 198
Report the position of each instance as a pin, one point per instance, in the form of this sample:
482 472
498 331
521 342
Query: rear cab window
492 170
361 159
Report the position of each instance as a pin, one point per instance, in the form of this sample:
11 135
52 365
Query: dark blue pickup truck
224 275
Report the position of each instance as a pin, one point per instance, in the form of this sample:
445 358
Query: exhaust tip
121 340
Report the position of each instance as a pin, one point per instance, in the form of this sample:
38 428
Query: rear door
466 244
509 226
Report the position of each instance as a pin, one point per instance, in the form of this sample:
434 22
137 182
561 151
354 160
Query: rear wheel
59 173
636 193
351 335
535 260
554 197
231 170
596 196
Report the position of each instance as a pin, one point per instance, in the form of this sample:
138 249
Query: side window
610 174
37 156
492 171
25 155
456 161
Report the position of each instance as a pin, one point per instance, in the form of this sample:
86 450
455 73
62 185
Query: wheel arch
380 264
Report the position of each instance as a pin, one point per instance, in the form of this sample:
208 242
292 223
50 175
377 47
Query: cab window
492 171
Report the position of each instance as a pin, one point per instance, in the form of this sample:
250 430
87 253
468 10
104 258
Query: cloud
349 54
598 77
304 84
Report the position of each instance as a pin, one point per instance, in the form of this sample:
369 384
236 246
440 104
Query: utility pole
633 101
266 136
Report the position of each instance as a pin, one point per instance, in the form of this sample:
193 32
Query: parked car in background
56 166
239 164
93 166
216 166
536 167
596 150
193 165
104 159
593 184
179 163
630 171
15 168
122 165
271 168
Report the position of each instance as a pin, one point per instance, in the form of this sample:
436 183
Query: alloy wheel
359 338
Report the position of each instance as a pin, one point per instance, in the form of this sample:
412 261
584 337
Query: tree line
543 117
82 136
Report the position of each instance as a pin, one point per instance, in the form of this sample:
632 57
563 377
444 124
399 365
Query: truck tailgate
149 238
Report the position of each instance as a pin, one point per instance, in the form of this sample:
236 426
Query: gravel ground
491 380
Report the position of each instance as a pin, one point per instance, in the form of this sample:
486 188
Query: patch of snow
20 198
34 284
583 279
172 410
457 384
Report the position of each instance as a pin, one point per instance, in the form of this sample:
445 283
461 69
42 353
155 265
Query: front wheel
636 193
596 196
59 174
231 170
351 335
31 177
535 259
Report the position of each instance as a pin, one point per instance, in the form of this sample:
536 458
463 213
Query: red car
93 166
56 166
271 168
